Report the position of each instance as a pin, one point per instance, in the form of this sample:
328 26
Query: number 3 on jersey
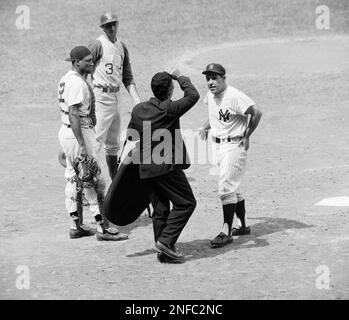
110 68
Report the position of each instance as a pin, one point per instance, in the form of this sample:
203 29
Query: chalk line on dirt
334 202
325 168
277 56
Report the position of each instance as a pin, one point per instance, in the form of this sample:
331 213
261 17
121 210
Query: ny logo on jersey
224 116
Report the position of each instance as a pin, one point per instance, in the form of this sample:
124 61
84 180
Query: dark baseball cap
108 17
78 53
214 68
160 83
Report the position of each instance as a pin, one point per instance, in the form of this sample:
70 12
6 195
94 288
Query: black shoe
162 248
221 240
164 258
240 231
172 247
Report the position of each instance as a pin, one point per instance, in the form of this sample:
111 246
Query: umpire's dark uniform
167 181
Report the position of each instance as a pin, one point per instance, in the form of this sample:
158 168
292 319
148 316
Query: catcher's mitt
62 159
86 168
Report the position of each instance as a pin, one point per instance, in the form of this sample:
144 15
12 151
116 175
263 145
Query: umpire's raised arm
191 96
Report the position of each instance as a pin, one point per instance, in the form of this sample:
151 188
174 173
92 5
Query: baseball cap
78 53
214 68
108 17
160 83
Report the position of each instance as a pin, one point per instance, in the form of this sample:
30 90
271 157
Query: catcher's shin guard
100 198
86 168
79 201
75 219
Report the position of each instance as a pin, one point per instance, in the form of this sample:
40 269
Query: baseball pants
231 161
171 187
70 147
108 125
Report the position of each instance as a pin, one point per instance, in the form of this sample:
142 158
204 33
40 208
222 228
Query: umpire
153 120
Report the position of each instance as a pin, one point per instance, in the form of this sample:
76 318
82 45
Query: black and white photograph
190 151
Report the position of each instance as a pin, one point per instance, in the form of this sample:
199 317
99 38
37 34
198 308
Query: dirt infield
298 156
268 58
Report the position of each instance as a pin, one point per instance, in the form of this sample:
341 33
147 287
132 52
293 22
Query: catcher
77 137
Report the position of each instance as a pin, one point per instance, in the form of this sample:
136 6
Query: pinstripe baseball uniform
233 117
228 123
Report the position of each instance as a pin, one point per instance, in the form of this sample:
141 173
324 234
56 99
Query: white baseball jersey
227 112
72 90
109 68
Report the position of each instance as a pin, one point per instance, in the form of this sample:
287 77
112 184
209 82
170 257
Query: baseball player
112 69
233 117
77 139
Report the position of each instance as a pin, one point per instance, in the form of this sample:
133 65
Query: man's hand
245 142
82 149
174 73
203 133
132 90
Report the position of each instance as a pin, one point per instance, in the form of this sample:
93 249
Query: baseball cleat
111 234
240 231
82 231
221 240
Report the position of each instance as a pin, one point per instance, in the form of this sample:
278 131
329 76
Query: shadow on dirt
200 249
142 221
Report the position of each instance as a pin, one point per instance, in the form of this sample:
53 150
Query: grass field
299 155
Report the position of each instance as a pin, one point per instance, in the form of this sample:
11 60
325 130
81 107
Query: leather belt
67 113
107 89
110 89
85 127
229 139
